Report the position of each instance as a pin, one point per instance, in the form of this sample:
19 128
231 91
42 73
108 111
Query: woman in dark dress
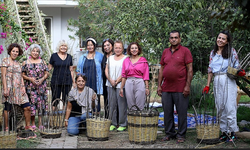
108 50
90 64
63 74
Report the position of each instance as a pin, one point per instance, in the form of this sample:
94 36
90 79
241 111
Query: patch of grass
244 99
243 113
29 143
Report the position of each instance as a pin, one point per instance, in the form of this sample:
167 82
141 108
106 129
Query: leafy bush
243 113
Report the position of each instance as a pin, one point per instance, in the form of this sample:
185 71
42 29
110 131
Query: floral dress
14 83
37 94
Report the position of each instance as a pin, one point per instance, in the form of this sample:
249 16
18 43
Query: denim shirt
219 64
98 60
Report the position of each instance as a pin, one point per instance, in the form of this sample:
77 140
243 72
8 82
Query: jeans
74 122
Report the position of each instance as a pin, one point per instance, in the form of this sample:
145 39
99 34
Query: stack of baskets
142 125
98 129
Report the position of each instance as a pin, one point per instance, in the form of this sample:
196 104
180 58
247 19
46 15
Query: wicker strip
98 129
8 140
232 70
208 133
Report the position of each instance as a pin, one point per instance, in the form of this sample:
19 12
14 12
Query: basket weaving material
232 70
142 126
208 133
98 129
8 140
57 120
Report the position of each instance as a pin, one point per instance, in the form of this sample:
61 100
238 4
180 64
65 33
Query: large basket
98 129
142 126
8 141
208 134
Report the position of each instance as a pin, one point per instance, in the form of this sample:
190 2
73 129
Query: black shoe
232 137
223 137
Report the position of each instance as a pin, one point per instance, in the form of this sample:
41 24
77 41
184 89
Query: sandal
167 138
34 127
223 137
232 138
180 139
29 128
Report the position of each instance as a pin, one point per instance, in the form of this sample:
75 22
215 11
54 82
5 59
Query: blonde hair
32 46
60 43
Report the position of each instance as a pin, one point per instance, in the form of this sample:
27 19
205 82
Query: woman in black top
63 73
81 101
108 50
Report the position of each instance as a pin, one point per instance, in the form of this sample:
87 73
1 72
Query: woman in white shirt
113 73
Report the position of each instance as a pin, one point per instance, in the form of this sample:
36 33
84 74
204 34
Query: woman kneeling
81 100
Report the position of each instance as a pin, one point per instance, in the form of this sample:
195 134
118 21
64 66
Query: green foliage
243 113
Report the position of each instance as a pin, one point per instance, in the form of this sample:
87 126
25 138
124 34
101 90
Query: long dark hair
111 42
226 52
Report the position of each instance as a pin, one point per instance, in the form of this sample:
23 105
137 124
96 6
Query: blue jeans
74 122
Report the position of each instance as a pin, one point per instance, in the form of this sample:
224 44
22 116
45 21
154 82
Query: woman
135 76
90 64
81 101
13 89
225 88
63 73
35 73
115 101
107 49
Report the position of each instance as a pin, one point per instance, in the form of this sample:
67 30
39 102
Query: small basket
8 140
142 126
232 70
208 134
98 129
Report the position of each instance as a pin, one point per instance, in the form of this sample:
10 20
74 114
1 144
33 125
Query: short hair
80 75
175 31
32 46
11 46
60 43
92 40
110 41
129 47
120 42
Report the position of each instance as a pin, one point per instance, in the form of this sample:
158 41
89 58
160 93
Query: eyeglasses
105 39
80 74
174 37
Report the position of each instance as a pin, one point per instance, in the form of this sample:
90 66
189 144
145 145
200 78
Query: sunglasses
80 74
105 39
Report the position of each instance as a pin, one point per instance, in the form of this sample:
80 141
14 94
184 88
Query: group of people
123 80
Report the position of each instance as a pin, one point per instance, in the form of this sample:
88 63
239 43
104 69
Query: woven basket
232 70
57 120
8 140
48 135
142 126
208 134
98 129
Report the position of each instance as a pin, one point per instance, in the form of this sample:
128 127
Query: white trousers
225 93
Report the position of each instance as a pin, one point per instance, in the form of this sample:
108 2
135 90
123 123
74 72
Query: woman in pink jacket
135 76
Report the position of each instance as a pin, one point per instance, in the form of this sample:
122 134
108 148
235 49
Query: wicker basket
232 70
98 129
142 126
208 134
8 140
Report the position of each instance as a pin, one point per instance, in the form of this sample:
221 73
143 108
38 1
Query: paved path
65 141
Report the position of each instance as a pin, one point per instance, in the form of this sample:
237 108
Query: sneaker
223 137
232 137
121 129
112 128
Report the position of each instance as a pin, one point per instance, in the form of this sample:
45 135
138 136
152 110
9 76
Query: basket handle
135 107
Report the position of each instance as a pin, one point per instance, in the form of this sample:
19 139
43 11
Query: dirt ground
120 140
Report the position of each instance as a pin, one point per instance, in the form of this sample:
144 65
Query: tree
149 23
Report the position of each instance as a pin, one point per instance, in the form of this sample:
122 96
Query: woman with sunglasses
107 49
90 64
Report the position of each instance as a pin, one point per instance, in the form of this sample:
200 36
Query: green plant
243 113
